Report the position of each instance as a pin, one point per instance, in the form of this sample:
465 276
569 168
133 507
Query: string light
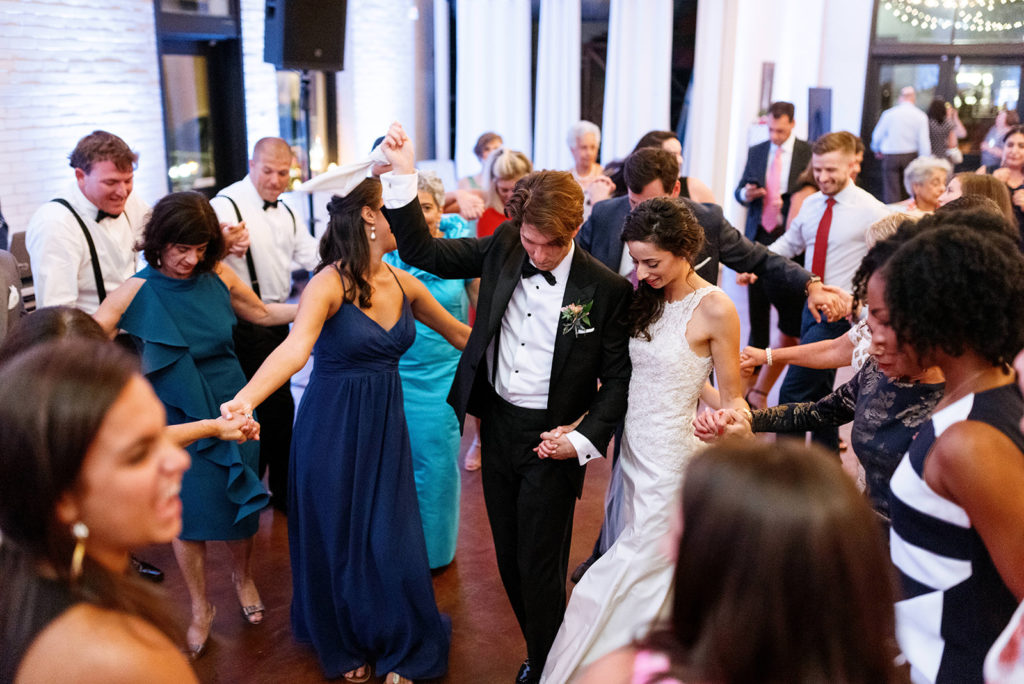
968 15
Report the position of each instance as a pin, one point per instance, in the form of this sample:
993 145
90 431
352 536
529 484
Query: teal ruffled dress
184 330
427 371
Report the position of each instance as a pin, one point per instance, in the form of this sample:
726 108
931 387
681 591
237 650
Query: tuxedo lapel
579 289
509 277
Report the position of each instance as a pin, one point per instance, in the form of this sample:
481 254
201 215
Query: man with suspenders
277 244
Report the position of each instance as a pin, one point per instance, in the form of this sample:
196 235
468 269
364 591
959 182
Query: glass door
981 89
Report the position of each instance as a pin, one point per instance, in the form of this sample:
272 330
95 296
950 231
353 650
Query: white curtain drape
492 76
638 76
558 82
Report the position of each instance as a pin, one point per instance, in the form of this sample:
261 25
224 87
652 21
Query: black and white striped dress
954 603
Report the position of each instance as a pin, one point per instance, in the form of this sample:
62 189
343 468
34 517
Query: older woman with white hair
925 180
427 370
584 140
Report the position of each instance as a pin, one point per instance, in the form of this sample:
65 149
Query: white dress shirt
61 266
529 328
276 240
902 129
854 212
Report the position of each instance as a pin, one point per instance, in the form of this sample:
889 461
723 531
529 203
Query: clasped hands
236 422
556 445
236 238
711 425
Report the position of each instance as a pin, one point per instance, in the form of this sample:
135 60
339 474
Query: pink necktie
772 202
821 240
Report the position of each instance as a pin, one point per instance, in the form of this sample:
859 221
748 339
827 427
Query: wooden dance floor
487 645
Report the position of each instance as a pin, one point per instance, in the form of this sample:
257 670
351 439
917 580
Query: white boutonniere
576 318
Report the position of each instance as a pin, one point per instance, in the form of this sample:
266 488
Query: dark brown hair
183 218
55 399
551 202
650 164
102 146
780 109
49 323
345 245
782 574
668 224
654 139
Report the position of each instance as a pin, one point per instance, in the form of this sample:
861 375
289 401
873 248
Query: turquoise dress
188 355
427 371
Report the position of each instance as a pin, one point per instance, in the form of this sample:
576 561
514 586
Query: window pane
913 22
210 8
1003 23
893 77
289 115
981 91
187 114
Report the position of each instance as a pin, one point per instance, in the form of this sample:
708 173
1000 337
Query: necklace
952 396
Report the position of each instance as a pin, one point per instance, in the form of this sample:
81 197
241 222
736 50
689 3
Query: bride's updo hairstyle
345 245
669 225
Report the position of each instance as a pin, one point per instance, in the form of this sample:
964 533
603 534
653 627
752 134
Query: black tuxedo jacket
601 236
578 361
755 172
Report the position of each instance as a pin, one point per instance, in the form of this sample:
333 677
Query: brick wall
68 67
260 77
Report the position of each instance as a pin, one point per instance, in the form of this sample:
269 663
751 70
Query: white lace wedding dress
630 586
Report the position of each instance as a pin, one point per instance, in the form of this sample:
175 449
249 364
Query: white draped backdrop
558 82
492 76
639 74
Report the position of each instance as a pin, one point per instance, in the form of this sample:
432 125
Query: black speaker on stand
305 35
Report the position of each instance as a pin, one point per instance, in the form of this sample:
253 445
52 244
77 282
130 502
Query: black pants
253 344
759 302
893 166
530 504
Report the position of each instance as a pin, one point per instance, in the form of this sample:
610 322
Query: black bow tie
530 270
100 215
268 205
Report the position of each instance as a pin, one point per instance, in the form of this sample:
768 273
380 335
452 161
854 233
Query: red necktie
821 240
772 203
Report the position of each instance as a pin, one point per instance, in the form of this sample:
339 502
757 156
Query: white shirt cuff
585 451
398 189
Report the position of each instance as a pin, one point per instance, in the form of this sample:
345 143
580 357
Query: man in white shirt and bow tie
278 243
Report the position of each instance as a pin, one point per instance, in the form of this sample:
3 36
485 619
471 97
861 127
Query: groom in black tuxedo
550 324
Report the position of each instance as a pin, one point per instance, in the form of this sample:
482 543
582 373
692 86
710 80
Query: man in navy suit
768 180
653 172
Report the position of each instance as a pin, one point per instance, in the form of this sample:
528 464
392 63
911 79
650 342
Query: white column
492 79
558 83
638 76
442 81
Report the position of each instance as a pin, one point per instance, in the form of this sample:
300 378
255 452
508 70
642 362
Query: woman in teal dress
427 371
181 309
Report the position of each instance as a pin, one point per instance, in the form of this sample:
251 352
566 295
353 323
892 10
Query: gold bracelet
768 355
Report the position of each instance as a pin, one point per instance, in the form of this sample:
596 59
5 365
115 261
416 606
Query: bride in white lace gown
682 326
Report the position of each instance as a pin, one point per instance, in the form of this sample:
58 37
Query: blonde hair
504 164
886 227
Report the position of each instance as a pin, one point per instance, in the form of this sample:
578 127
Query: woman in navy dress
362 592
181 309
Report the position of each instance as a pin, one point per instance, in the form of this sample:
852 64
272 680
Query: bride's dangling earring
80 532
373 232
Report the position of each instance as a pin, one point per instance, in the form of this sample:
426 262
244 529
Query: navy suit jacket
755 172
601 236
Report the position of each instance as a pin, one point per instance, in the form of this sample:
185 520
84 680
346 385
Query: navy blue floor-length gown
362 591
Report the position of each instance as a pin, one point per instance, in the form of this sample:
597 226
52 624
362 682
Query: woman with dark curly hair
181 310
681 327
361 588
780 576
955 299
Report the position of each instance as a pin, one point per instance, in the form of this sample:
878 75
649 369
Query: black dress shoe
147 571
527 674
